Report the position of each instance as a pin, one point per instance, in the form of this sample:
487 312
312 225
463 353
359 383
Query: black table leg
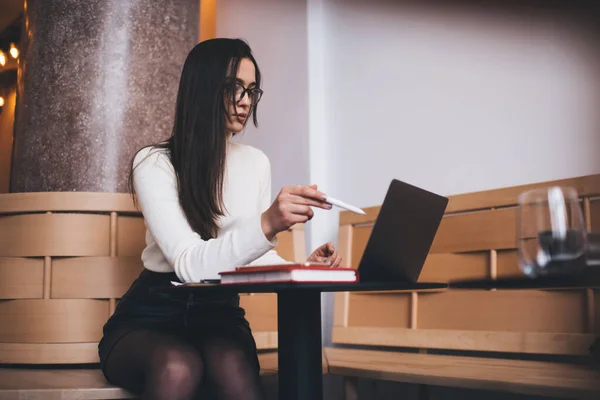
300 351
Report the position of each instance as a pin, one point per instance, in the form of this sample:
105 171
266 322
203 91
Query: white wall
456 99
450 98
276 32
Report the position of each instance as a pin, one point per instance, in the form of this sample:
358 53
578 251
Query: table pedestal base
300 349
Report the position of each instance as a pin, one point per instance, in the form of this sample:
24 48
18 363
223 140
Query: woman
205 202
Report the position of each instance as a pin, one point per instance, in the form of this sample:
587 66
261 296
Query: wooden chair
65 260
525 341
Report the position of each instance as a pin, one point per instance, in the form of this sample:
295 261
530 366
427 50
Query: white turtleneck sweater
172 245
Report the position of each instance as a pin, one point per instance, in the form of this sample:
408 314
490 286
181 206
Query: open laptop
402 235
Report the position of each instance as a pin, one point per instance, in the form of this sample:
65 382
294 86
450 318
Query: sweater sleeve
271 257
191 257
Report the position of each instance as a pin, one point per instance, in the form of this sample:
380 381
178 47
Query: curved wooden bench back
476 239
67 258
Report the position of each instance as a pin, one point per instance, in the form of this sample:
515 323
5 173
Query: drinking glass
552 239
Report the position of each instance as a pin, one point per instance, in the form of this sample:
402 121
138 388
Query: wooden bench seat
61 281
84 384
517 376
476 240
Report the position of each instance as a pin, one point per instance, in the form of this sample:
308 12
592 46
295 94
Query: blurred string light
1 104
14 52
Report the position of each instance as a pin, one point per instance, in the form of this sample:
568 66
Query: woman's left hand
327 253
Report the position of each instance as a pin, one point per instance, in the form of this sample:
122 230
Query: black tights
158 366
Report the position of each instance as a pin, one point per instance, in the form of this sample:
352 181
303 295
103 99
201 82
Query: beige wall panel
447 267
21 278
93 277
131 236
484 230
261 311
52 321
49 353
382 310
34 235
522 311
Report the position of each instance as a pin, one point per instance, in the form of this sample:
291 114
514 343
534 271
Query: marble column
97 81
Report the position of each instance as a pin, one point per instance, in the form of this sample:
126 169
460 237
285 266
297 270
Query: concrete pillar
97 81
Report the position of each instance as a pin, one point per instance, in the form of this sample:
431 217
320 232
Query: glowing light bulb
14 52
2 58
1 101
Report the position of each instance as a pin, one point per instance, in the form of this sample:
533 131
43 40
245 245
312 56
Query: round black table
299 326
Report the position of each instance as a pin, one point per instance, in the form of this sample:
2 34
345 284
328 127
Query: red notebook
287 273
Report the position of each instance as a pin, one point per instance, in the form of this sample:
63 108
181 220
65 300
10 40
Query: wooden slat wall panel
265 340
511 342
131 236
360 237
66 201
49 353
93 277
508 264
34 235
585 185
595 214
285 245
21 278
340 308
484 230
474 241
261 311
381 310
299 240
521 311
447 267
351 218
52 321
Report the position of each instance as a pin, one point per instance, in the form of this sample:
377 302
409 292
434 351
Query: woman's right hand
292 206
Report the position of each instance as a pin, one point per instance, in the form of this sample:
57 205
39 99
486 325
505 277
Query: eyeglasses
236 93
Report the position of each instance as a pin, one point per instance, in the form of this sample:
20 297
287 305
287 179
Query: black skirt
184 315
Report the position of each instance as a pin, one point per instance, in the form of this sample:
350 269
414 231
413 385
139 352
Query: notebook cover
283 267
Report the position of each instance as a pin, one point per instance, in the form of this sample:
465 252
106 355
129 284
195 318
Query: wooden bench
88 384
65 260
523 341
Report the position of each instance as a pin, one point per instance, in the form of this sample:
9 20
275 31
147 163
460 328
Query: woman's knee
178 370
234 374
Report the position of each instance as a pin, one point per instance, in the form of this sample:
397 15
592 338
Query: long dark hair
197 146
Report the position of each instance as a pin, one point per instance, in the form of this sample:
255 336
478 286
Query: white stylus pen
341 204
